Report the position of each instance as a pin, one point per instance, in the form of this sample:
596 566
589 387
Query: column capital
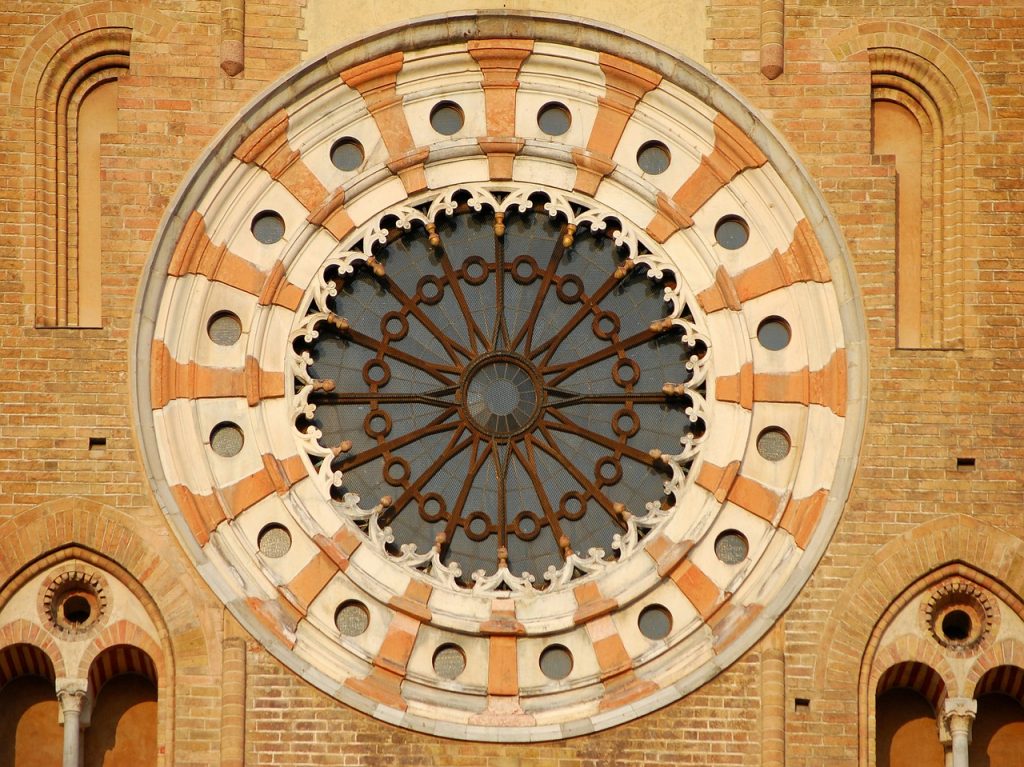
967 707
957 717
74 697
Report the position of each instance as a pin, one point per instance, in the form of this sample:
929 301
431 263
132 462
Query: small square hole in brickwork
97 445
965 463
801 705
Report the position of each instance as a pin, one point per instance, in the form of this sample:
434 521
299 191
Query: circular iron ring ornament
501 395
717 387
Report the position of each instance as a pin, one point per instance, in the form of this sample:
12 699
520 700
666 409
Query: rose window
503 376
509 378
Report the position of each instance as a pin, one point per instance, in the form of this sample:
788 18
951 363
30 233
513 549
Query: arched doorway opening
30 734
906 732
123 727
998 735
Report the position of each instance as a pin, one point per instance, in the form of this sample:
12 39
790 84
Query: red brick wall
58 388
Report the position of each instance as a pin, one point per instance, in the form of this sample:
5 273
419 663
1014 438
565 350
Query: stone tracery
492 382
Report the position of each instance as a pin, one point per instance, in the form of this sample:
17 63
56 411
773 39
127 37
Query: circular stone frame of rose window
356 606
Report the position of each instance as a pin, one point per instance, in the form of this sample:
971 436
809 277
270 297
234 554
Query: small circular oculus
352 618
731 232
556 662
655 622
773 333
267 227
447 118
731 547
960 616
274 541
654 158
554 118
773 444
74 602
226 439
449 661
347 154
224 328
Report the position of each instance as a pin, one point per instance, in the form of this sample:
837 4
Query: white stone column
72 694
958 716
947 743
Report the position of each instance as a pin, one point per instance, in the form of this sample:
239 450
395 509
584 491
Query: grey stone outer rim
568 30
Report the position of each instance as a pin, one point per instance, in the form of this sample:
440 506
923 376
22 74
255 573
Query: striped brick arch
1007 680
118 660
777 510
22 659
22 633
912 675
122 647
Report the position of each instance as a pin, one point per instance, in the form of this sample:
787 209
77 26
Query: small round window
554 119
224 328
655 622
556 662
74 602
226 439
732 232
347 154
274 541
731 547
773 444
773 334
960 616
268 227
449 661
352 618
447 118
654 158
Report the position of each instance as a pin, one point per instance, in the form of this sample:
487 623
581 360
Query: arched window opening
97 115
906 726
76 105
897 132
914 121
998 733
123 732
30 735
123 729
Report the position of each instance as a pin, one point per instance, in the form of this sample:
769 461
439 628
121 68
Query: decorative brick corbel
773 28
232 36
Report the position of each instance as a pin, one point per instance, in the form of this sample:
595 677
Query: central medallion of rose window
502 394
503 379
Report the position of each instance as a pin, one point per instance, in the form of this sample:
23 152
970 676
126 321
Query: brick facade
937 493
